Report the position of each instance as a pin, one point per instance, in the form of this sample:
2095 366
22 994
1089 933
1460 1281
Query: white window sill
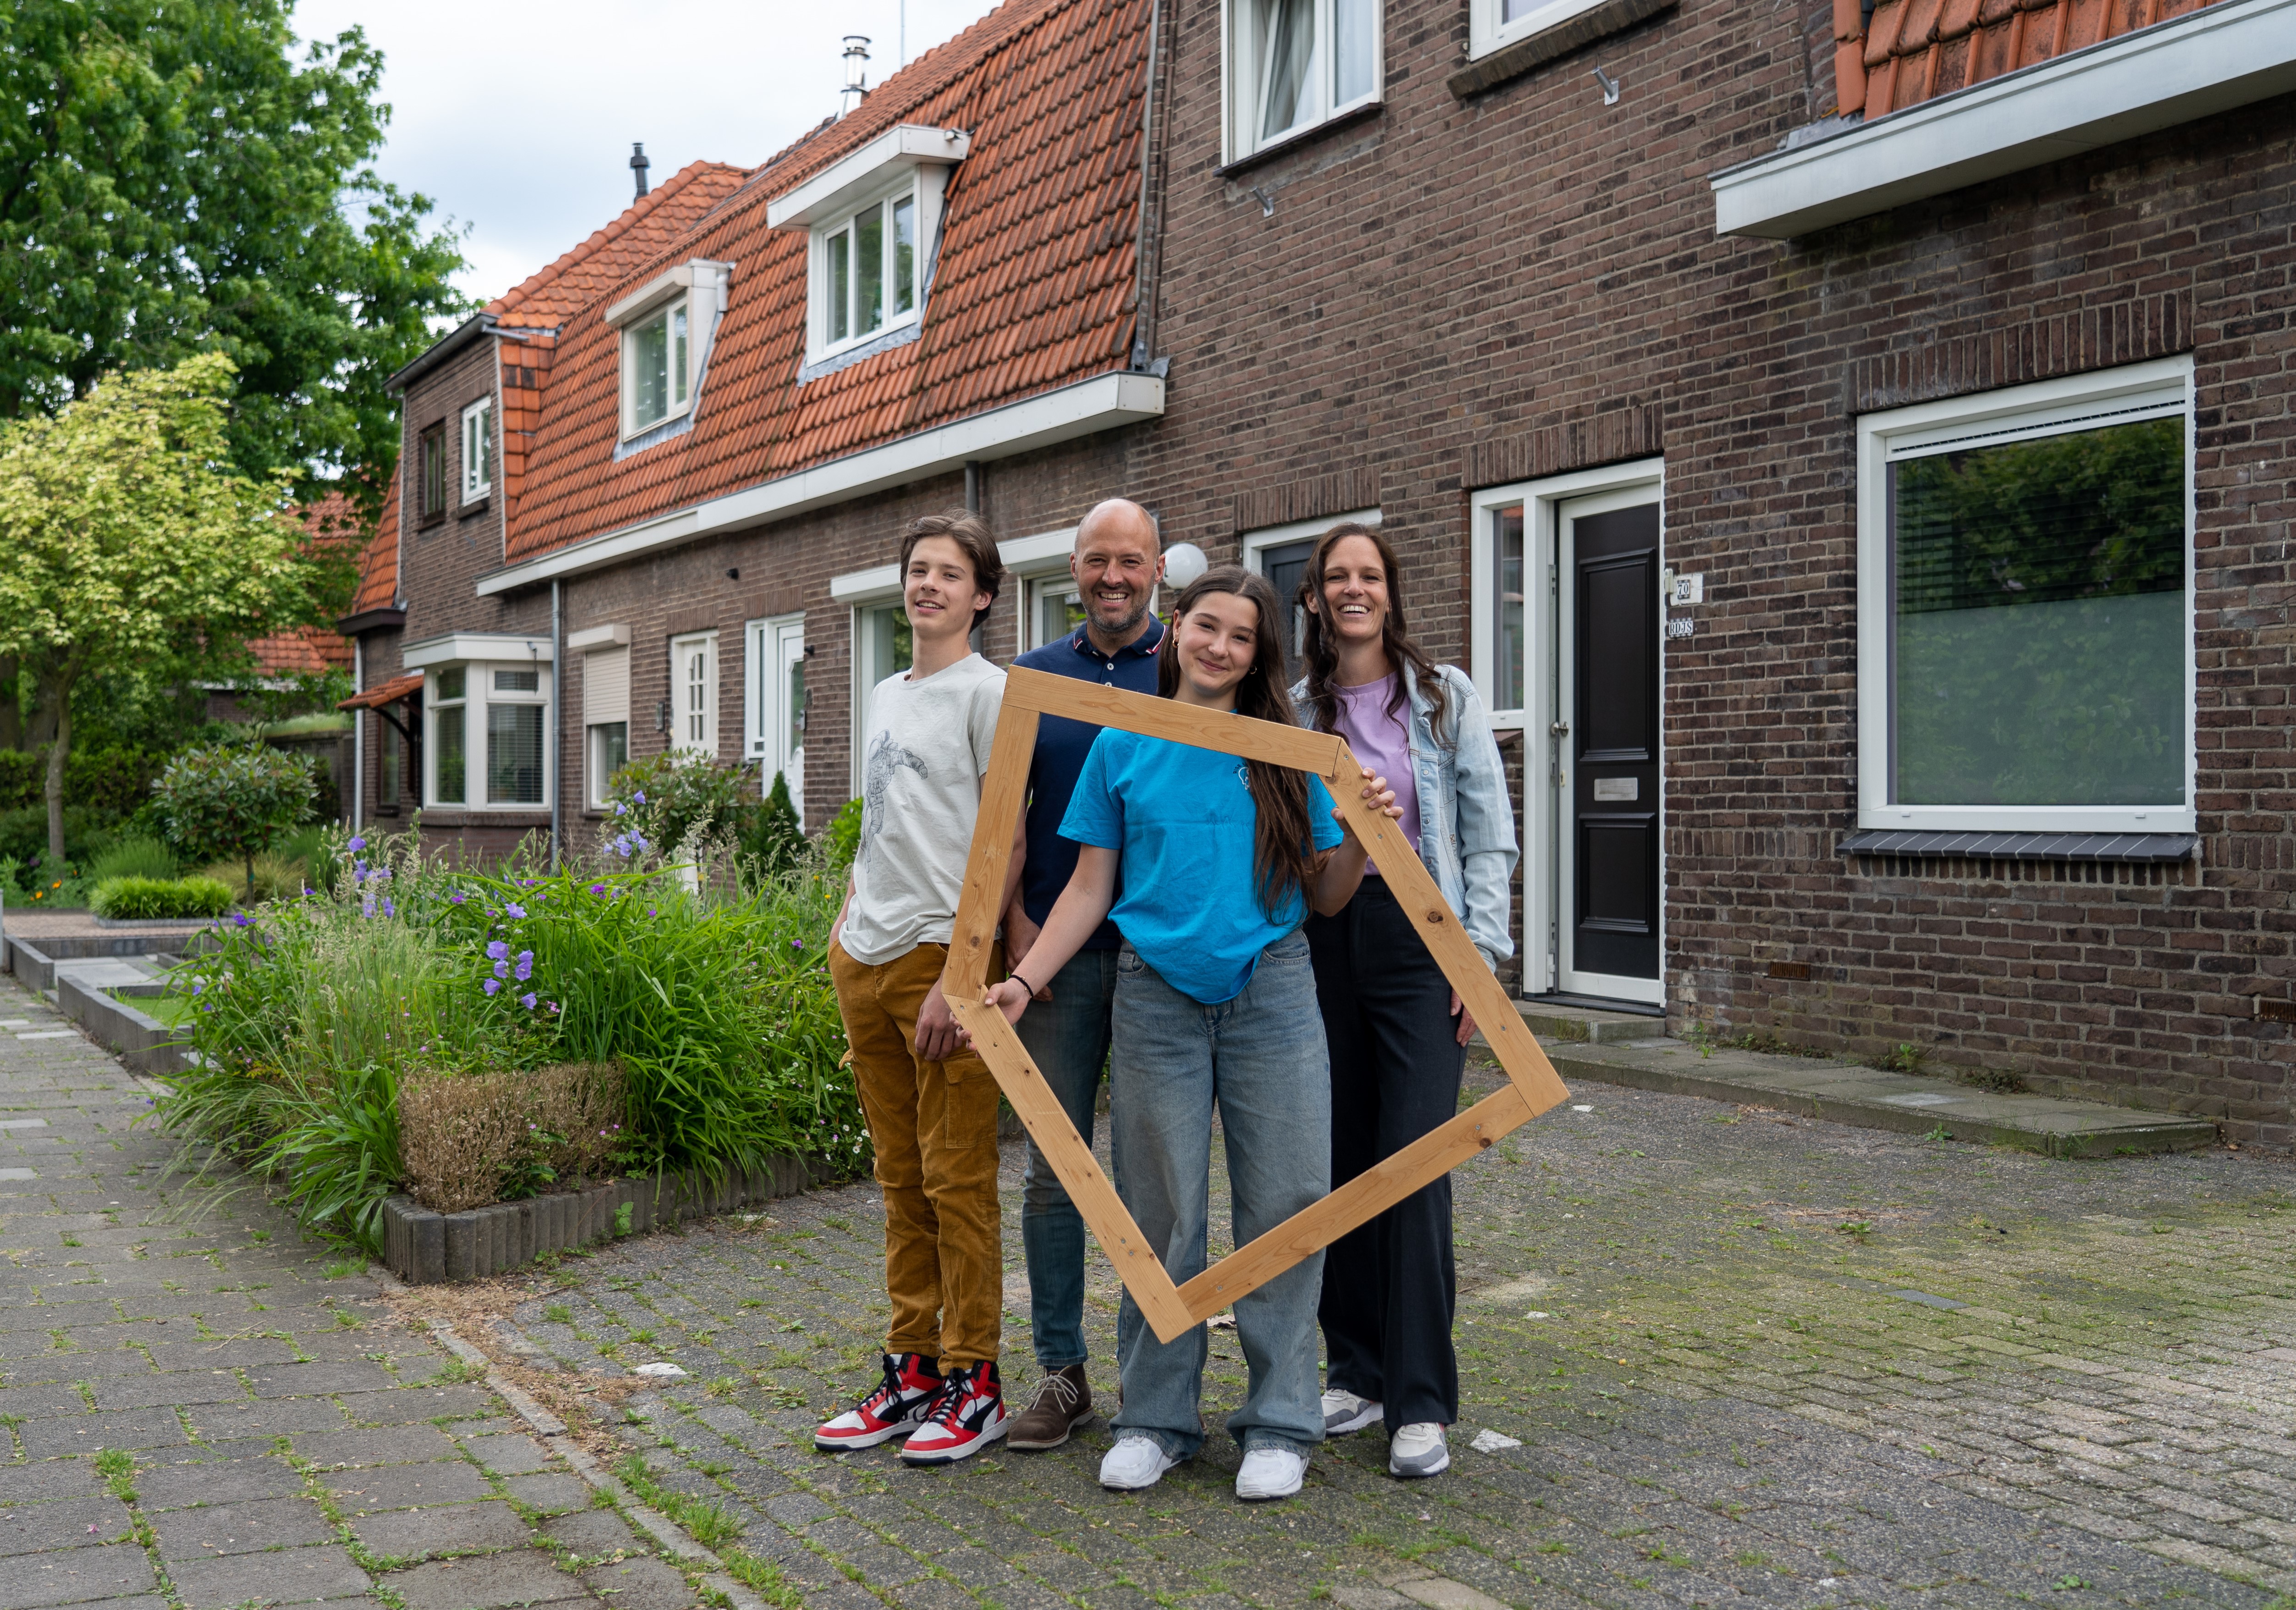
2226 56
2027 819
1300 136
631 434
1545 21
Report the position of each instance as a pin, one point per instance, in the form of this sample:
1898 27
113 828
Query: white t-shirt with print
924 751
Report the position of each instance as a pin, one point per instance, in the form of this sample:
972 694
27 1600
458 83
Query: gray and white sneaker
1136 1463
1345 1413
1416 1450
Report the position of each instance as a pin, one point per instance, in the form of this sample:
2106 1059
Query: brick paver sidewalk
199 1410
1711 1356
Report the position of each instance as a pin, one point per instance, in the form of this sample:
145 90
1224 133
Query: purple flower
502 969
199 986
356 845
492 985
652 912
457 898
242 919
527 1000
517 912
389 909
641 796
497 950
553 1006
525 965
597 888
797 944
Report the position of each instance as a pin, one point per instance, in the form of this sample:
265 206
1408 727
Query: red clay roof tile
378 577
602 262
1032 288
1913 50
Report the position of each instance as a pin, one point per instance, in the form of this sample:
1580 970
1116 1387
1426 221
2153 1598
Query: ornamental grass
487 1036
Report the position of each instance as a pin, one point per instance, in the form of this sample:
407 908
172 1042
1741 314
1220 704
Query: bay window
486 736
2025 657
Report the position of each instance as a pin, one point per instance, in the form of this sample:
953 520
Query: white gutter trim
1101 403
848 180
2225 56
866 587
456 647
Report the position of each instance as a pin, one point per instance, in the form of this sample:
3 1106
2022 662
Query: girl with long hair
1397 1028
1219 861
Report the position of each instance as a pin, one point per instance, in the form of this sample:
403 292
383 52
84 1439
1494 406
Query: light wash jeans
1261 1059
1067 1038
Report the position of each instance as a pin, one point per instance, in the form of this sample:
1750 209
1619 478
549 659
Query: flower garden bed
438 1064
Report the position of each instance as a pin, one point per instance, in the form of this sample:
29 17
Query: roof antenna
638 165
857 74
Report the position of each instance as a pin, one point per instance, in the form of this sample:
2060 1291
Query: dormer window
659 352
872 220
666 327
868 269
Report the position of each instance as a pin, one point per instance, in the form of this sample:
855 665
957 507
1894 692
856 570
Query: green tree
173 180
233 803
132 540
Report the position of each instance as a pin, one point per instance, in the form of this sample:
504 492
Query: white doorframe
775 646
1541 502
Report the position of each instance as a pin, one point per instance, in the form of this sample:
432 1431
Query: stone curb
554 1435
1870 1098
141 1042
427 1248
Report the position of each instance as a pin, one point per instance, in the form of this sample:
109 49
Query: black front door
1284 567
1614 743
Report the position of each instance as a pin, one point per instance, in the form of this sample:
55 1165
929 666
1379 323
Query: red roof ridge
631 218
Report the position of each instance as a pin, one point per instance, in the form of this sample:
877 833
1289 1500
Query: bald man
1117 564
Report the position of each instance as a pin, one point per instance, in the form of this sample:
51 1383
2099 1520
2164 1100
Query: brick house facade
1559 264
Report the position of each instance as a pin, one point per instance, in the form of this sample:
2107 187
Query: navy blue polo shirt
1061 746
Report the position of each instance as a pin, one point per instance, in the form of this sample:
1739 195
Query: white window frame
478 465
771 647
596 774
683 718
1040 565
1542 502
1256 544
2157 389
1243 80
821 344
863 593
480 694
701 286
677 358
1488 32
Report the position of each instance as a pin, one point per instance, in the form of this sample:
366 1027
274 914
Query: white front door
777 741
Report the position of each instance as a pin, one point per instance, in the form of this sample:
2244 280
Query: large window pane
1354 29
1507 689
1060 611
1291 36
838 255
904 255
514 754
869 270
2038 623
649 371
890 646
448 730
610 751
388 763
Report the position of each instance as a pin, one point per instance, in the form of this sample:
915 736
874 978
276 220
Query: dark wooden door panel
1614 779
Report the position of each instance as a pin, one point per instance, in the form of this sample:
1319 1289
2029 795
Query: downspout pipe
557 723
1142 335
358 736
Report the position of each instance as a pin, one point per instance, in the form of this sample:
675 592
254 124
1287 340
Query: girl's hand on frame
1379 794
1009 996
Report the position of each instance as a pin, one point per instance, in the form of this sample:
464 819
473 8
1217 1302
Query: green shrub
670 797
135 857
24 835
233 803
107 783
774 842
841 840
149 900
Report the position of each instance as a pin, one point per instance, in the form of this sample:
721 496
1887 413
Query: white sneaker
1134 1463
1344 1412
1418 1449
1270 1473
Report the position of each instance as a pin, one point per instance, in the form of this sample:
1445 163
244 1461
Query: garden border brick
426 1248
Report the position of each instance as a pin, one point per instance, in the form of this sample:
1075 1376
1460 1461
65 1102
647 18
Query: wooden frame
1170 1310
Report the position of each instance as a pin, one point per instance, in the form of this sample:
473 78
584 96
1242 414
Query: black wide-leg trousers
1390 1287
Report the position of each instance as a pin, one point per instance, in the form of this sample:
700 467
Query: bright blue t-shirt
1185 821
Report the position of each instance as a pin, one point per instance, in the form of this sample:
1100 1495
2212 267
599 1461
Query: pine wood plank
981 905
1229 734
1361 1199
1104 1213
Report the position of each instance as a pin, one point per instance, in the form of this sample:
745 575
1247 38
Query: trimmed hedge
149 900
107 782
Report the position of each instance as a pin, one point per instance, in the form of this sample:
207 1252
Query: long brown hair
1322 657
1282 839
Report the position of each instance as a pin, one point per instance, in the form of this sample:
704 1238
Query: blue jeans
1067 1038
1260 1059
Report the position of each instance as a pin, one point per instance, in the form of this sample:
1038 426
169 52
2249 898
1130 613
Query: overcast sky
515 117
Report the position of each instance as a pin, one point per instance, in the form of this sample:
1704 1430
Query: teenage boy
930 1105
1117 564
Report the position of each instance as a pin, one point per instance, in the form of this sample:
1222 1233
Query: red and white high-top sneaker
966 1418
911 1385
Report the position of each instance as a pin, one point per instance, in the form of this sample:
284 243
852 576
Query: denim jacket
1466 822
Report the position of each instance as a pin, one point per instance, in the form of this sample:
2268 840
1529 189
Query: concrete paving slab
493 1581
114 1571
289 1577
240 1527
441 1529
1871 1098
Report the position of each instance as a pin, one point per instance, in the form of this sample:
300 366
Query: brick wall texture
1454 293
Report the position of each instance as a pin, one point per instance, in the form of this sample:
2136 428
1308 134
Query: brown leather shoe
1062 1401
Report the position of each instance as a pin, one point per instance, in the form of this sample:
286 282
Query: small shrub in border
155 899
